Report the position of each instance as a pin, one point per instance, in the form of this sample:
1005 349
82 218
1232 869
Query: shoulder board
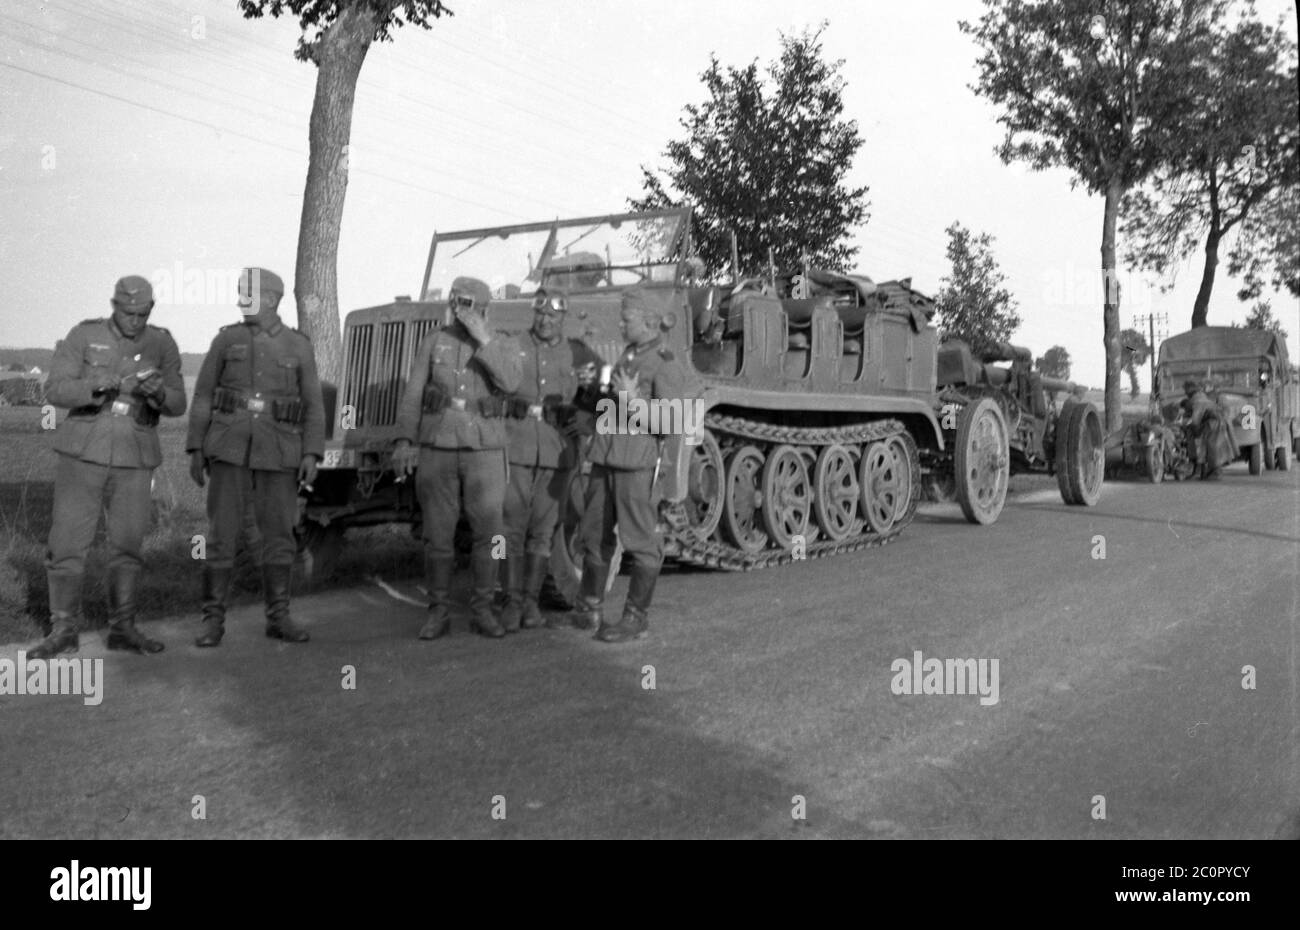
294 329
666 354
94 322
162 329
230 326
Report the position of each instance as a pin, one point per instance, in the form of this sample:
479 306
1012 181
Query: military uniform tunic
541 456
452 407
107 444
257 411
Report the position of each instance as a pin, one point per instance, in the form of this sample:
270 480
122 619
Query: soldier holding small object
117 376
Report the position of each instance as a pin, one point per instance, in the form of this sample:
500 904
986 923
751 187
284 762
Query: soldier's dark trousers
274 496
625 498
79 498
472 480
532 508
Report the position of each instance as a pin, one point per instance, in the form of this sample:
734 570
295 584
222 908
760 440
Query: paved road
1118 677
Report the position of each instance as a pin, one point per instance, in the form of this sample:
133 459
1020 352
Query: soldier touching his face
117 376
257 430
450 425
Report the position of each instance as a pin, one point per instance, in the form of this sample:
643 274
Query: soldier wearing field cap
621 489
257 429
117 376
450 424
542 426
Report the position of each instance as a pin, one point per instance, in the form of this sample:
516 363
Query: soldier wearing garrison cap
257 430
117 376
450 424
621 489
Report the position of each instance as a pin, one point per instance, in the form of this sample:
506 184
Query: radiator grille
360 342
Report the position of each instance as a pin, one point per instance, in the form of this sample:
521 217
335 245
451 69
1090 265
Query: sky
168 138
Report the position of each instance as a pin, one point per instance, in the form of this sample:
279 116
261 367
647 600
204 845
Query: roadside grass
170 584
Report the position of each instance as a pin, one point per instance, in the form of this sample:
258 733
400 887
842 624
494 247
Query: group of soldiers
490 424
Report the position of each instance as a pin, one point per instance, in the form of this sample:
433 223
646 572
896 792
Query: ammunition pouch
288 411
435 399
284 410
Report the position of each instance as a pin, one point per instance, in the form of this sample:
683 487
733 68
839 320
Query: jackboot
121 599
513 611
276 582
216 591
65 602
437 575
589 613
534 574
631 626
482 620
635 620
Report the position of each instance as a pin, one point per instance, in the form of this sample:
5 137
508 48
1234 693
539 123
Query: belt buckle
121 408
256 404
458 403
535 411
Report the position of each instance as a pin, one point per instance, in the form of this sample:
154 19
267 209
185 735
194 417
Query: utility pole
1151 319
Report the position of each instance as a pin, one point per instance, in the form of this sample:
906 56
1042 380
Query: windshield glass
571 255
1234 379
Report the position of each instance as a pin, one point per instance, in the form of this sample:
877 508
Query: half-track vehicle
1068 441
1248 373
818 392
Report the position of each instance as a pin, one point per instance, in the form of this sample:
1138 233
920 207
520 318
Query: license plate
339 458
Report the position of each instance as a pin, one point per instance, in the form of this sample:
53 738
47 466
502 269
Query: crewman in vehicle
117 376
451 426
257 429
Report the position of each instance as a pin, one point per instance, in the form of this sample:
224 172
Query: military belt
548 411
436 400
117 406
285 410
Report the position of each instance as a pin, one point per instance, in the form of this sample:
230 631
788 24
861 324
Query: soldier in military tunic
541 425
117 376
621 490
450 423
257 429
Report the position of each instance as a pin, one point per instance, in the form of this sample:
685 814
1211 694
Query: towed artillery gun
818 402
1040 438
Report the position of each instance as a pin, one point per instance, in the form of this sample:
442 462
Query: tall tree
1092 86
336 35
767 156
1235 149
972 303
1269 247
1136 350
1054 363
1261 317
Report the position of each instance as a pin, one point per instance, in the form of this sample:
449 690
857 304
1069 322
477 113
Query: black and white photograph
491 419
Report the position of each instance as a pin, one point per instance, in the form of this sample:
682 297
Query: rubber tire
1267 455
319 548
969 414
1155 463
1283 457
566 571
1256 460
1069 435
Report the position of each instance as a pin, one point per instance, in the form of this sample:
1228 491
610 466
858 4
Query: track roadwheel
1256 461
836 483
909 457
1284 457
787 496
982 461
1080 455
885 478
1155 461
704 488
742 506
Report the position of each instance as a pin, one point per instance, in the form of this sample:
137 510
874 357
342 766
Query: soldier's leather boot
65 599
635 620
631 626
589 613
512 613
482 620
437 575
276 583
216 591
534 574
121 599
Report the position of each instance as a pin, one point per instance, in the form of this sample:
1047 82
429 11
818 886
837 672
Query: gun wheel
742 509
787 496
1155 460
982 461
836 483
1081 455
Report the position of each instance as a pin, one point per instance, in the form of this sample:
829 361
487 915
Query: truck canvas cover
1222 342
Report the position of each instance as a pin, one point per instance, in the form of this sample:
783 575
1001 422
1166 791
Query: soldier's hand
198 467
104 384
622 381
475 325
307 472
405 459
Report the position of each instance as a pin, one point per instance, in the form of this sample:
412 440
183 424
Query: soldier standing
450 425
621 489
117 376
257 429
542 425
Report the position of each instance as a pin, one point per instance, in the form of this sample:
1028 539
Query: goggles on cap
543 303
459 301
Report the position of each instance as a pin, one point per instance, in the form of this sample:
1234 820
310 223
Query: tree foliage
1229 157
1092 86
1135 352
1054 363
766 156
1261 317
972 303
336 35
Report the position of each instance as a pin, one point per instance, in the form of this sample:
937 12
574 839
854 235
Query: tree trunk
1201 309
1110 310
339 56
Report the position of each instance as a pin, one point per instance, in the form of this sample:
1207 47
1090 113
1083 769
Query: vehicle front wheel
1256 460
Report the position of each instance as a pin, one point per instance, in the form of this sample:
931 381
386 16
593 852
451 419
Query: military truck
1247 371
818 408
